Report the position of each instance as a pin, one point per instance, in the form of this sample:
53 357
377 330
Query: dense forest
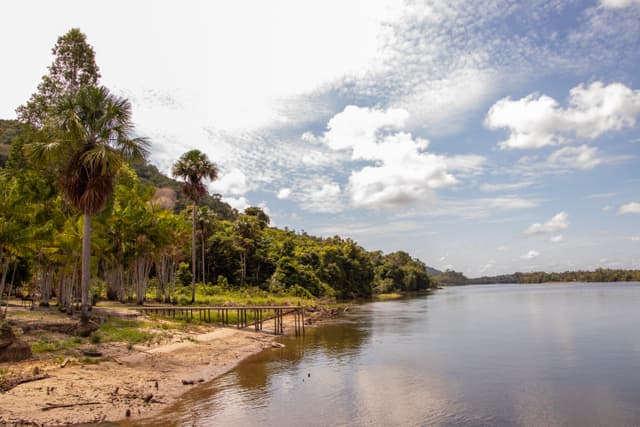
141 222
599 275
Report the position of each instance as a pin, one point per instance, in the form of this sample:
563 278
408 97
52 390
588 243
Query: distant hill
432 271
149 174
450 277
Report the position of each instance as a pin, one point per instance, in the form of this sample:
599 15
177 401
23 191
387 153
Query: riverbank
126 381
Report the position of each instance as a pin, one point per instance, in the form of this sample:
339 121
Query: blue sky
487 137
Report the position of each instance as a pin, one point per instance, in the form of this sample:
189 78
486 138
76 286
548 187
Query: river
529 355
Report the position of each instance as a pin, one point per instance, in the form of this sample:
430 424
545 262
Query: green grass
49 345
4 372
388 296
217 295
128 331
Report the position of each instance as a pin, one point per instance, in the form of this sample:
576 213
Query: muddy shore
133 383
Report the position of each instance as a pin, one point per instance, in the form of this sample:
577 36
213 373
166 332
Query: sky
485 137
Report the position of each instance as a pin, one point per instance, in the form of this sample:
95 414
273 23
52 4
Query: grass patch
4 372
388 296
128 331
48 345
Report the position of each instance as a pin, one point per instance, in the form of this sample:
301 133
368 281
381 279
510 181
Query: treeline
599 275
82 213
141 241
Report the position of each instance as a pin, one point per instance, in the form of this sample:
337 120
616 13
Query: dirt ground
128 382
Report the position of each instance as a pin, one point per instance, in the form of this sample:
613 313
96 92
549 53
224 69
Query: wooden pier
240 317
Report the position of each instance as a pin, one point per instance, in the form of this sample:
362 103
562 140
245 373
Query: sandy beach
131 384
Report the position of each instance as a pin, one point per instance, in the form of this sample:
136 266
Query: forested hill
599 275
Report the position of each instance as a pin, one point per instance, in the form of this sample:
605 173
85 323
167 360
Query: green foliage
128 331
50 345
184 275
75 140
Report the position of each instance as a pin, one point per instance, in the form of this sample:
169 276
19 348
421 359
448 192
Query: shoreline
141 383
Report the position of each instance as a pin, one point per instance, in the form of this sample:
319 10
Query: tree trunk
193 255
204 269
86 268
5 269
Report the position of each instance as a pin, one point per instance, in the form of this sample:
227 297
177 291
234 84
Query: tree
88 136
192 167
74 67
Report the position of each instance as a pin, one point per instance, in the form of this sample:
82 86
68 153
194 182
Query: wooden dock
240 317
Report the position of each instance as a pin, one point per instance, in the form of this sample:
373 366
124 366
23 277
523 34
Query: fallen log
67 405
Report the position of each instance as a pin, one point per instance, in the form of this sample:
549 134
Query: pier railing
240 317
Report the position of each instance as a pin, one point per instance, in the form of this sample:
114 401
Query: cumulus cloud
239 203
284 193
558 222
234 182
618 4
556 239
530 255
629 208
538 120
401 169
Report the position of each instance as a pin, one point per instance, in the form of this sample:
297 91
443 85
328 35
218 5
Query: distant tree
88 136
74 67
261 216
193 167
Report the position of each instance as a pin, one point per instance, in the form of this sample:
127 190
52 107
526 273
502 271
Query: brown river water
495 355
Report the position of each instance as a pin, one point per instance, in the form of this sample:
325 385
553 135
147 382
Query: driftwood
11 383
67 405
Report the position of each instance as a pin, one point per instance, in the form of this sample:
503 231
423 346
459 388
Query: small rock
148 398
187 382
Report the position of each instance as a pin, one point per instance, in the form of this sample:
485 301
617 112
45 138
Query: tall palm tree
192 167
88 136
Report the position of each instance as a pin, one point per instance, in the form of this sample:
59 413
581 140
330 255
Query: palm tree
89 136
192 167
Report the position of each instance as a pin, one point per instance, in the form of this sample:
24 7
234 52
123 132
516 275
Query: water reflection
487 355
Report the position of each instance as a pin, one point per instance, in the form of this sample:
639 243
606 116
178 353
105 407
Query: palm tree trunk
193 255
203 267
5 269
86 267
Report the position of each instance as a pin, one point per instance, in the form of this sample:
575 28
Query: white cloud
234 183
629 208
403 171
530 255
606 208
501 248
239 203
618 4
556 239
538 120
490 188
581 157
284 193
358 128
555 224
